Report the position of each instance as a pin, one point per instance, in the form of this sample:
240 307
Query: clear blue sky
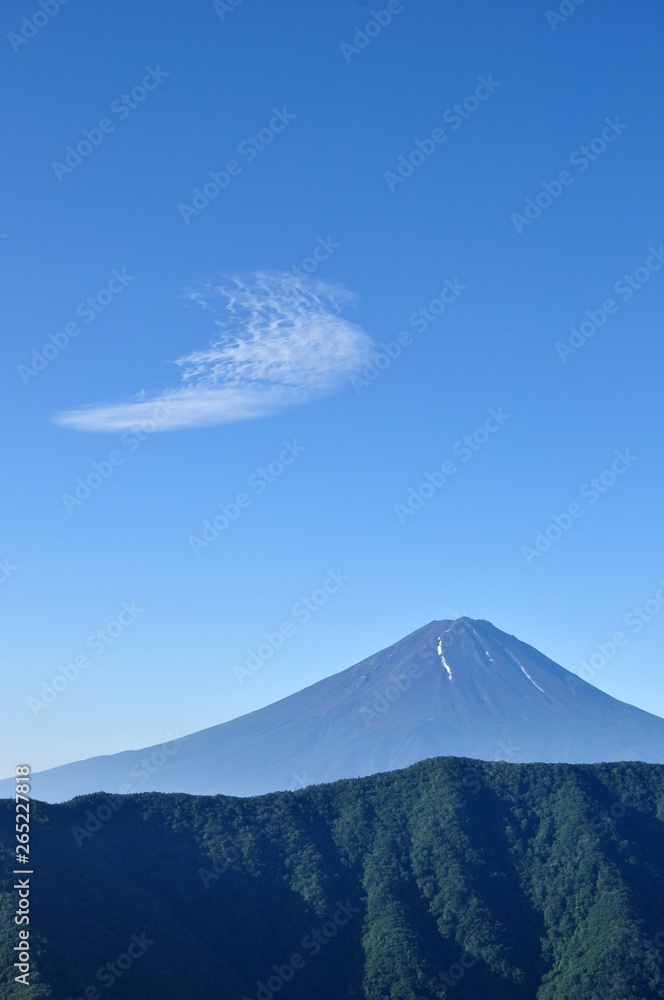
287 361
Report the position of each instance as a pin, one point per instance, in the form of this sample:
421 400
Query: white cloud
282 341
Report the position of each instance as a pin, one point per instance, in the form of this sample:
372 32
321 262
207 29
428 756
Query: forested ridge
453 878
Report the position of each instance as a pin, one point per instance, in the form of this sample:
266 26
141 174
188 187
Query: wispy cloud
282 340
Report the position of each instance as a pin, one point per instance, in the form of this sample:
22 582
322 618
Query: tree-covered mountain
453 688
454 878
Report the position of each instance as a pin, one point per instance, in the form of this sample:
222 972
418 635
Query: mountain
454 878
460 688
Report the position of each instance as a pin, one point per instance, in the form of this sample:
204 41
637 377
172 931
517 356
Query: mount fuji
452 688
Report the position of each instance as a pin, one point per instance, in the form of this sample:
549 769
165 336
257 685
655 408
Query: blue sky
391 265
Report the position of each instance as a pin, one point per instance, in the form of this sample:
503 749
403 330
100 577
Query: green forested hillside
454 878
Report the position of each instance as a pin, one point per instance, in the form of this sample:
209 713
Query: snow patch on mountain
442 658
518 662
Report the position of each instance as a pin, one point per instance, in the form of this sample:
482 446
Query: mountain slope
454 878
460 688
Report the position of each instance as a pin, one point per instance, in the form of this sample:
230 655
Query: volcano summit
452 688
